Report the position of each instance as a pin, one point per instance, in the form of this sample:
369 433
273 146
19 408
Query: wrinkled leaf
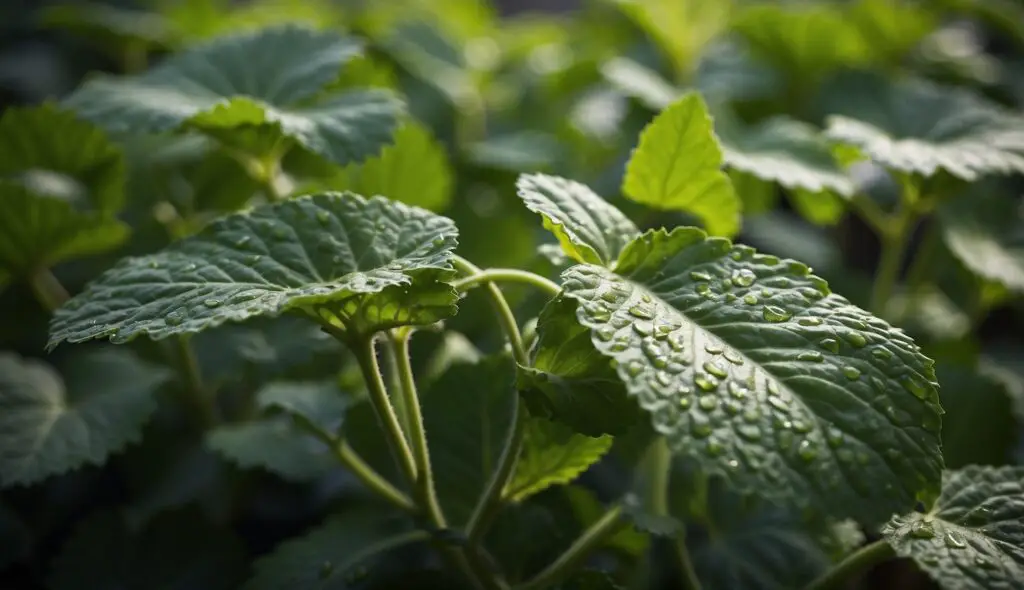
552 455
748 365
972 537
352 263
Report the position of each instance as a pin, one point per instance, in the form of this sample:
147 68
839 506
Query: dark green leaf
681 28
353 263
552 455
986 232
276 444
971 399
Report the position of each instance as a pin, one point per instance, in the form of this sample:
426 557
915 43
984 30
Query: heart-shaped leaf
269 79
588 227
986 232
747 364
677 165
973 538
552 455
51 423
355 264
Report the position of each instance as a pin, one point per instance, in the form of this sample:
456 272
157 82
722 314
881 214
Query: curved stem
501 307
48 289
366 354
570 560
855 563
873 215
490 502
508 275
659 470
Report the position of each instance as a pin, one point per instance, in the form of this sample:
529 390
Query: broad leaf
588 227
747 364
276 444
972 398
177 550
552 455
268 80
918 127
415 170
677 165
352 263
569 381
972 537
335 556
51 423
986 232
681 28
320 404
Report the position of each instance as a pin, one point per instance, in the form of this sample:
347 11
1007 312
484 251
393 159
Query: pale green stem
48 289
508 275
197 394
366 354
854 564
894 248
569 562
659 472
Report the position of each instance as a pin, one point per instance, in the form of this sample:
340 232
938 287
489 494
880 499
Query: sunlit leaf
986 233
552 455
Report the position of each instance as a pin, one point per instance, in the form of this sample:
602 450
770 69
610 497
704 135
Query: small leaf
917 127
588 227
176 550
748 365
352 263
569 381
972 538
677 165
414 170
986 233
268 79
276 444
552 455
338 555
51 423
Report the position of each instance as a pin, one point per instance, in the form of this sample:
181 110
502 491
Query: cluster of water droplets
932 540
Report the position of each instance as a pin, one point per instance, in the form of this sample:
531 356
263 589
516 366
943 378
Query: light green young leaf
552 455
681 28
569 381
972 538
918 127
51 423
177 550
335 556
677 165
269 80
589 228
820 208
748 365
986 232
354 264
414 170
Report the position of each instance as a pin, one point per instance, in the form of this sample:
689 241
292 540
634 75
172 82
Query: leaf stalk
569 561
855 563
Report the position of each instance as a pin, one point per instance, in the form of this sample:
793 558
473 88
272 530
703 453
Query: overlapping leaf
52 423
677 165
986 232
552 455
973 538
588 228
357 264
749 365
267 80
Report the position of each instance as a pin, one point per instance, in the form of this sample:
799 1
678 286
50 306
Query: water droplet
323 217
744 277
775 314
829 344
715 448
438 242
733 357
812 356
779 404
611 296
834 436
605 333
749 431
684 403
708 402
699 276
663 378
619 346
726 284
254 258
705 383
851 373
713 348
955 540
984 562
857 339
751 413
881 353
703 288
175 318
712 368
916 387
750 299
736 255
211 302
736 390
634 368
773 388
732 406
642 312
806 450
845 455
644 328
802 427
812 321
700 425
922 530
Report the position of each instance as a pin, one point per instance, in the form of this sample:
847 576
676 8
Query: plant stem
659 471
490 502
894 247
872 214
855 563
570 560
194 389
506 318
508 275
922 260
348 457
50 293
366 354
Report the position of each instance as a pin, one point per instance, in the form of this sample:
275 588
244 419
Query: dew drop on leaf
700 276
750 299
708 402
954 540
807 451
829 344
851 373
642 312
916 387
736 390
810 356
700 425
733 357
634 368
211 303
812 321
705 383
684 403
922 530
775 314
749 431
643 328
713 368
175 318
881 354
751 414
744 277
713 348
715 448
323 217
606 333
779 404
857 339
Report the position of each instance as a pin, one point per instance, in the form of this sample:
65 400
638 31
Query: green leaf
588 510
971 399
321 404
748 365
51 423
552 455
820 208
516 152
355 264
589 228
335 556
571 382
118 29
681 28
918 127
414 170
590 580
972 537
267 80
986 233
177 550
677 165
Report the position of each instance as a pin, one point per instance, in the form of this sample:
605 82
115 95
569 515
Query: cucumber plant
330 329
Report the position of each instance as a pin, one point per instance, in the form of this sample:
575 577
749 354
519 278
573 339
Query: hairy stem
198 396
48 289
854 564
569 561
508 275
366 354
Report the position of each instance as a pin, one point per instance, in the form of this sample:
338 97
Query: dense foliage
313 294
